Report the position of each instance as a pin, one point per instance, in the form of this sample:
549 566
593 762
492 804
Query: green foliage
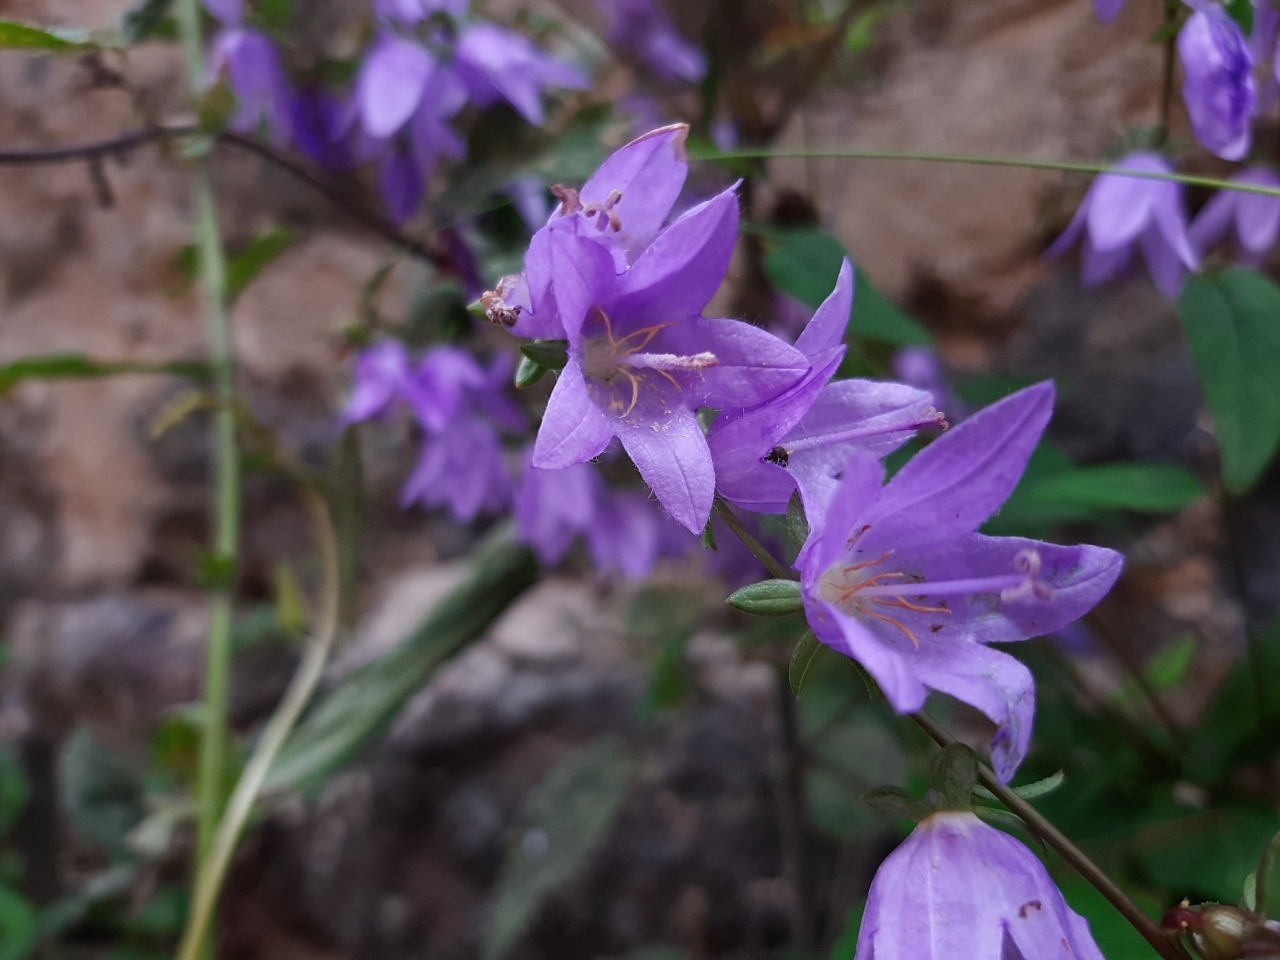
101 792
768 598
25 36
76 366
846 945
149 19
564 820
552 354
1207 855
1116 938
17 925
1230 322
14 789
364 705
805 265
245 266
805 655
1241 11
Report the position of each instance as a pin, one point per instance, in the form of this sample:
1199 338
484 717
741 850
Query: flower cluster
427 62
893 575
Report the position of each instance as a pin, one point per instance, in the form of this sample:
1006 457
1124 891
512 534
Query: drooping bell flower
645 29
554 507
1218 86
496 64
958 887
1122 212
898 578
463 468
253 69
1253 218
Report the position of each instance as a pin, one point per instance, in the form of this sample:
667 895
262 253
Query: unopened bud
1217 932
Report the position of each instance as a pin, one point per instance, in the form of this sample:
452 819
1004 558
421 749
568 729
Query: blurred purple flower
898 579
1255 219
318 120
252 65
1120 211
1107 10
497 64
433 388
958 887
553 507
645 29
642 358
625 536
400 183
463 468
1218 84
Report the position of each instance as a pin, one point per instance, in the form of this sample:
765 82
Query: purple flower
1218 85
804 436
319 123
462 467
1254 218
384 374
625 535
642 358
898 579
434 388
958 887
253 68
645 29
553 507
1107 10
1119 211
496 64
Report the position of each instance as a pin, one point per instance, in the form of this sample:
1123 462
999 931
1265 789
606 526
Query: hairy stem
1165 945
214 868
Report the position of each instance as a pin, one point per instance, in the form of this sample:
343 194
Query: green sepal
708 537
552 354
768 598
797 522
803 658
528 372
897 803
955 772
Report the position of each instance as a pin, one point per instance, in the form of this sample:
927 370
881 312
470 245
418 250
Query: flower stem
211 769
214 866
1165 945
755 546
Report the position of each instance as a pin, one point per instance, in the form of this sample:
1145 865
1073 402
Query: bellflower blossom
898 578
803 437
1218 85
644 28
553 507
252 65
641 357
958 887
1254 218
1120 211
1107 10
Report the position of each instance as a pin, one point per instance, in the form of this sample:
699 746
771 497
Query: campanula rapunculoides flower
462 467
645 29
253 69
554 507
433 388
898 579
1218 85
641 357
495 64
958 887
1254 219
621 207
1119 212
803 437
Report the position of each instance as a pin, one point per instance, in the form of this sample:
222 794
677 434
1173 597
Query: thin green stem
985 160
1171 11
755 546
211 769
1165 945
306 678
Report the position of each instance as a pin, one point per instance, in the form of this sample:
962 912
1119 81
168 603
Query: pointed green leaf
1232 322
26 36
768 598
528 372
552 354
803 659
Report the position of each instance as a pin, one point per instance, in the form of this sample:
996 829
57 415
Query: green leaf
149 19
76 366
802 660
565 819
1142 487
14 789
805 265
1232 330
552 354
1241 11
101 793
708 538
954 773
1206 855
248 264
896 802
1029 791
1115 936
25 36
797 522
528 372
768 598
17 925
365 704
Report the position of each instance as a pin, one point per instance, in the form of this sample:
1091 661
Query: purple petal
830 528
1257 216
229 13
752 365
1218 86
962 478
826 330
391 84
401 185
567 276
681 271
674 461
1107 10
625 535
1212 224
649 172
573 428
1119 206
1164 264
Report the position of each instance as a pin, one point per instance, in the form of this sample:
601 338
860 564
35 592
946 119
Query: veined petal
1212 224
683 267
826 329
830 528
1121 206
674 461
573 428
391 82
962 478
752 365
649 173
567 275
